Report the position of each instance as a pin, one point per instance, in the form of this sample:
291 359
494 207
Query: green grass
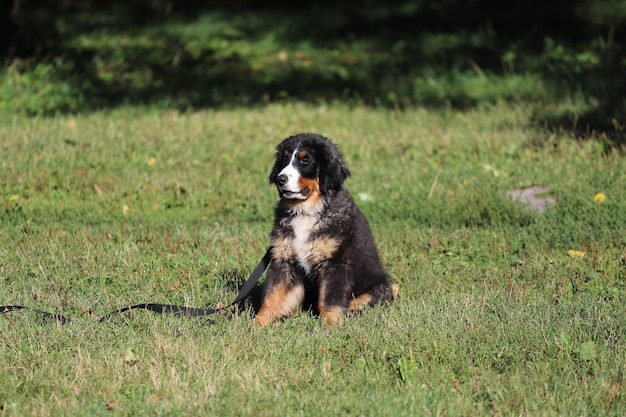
494 317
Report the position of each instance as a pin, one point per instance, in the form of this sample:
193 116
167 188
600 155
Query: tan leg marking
359 303
280 302
332 317
395 290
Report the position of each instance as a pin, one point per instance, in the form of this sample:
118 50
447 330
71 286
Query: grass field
501 311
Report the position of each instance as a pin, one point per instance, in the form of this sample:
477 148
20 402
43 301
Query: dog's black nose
282 179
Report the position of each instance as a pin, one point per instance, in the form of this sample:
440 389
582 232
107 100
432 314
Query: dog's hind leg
375 295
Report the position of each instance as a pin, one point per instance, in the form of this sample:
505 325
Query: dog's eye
304 161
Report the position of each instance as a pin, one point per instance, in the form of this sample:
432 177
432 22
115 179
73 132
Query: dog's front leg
283 294
334 293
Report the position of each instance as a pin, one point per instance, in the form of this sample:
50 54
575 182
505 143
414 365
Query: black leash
8 309
167 308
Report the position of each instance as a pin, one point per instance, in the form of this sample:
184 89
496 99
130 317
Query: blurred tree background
77 55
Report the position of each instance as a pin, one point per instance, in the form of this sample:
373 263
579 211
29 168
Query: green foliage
83 55
45 87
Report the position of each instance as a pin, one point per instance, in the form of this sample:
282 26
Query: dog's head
308 166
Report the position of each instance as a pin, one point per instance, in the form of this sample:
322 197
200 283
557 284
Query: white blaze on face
291 188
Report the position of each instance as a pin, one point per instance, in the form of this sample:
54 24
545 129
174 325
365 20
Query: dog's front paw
332 317
261 321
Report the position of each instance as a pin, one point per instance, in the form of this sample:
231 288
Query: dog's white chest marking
302 227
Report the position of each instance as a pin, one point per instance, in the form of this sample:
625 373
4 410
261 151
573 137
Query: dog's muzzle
282 183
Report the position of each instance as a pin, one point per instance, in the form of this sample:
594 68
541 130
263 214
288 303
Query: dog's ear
277 167
333 171
279 161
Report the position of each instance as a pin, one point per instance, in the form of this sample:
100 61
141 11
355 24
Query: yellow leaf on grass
599 198
151 161
14 197
130 357
125 209
576 253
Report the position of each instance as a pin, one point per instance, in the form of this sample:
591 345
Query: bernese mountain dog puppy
321 244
